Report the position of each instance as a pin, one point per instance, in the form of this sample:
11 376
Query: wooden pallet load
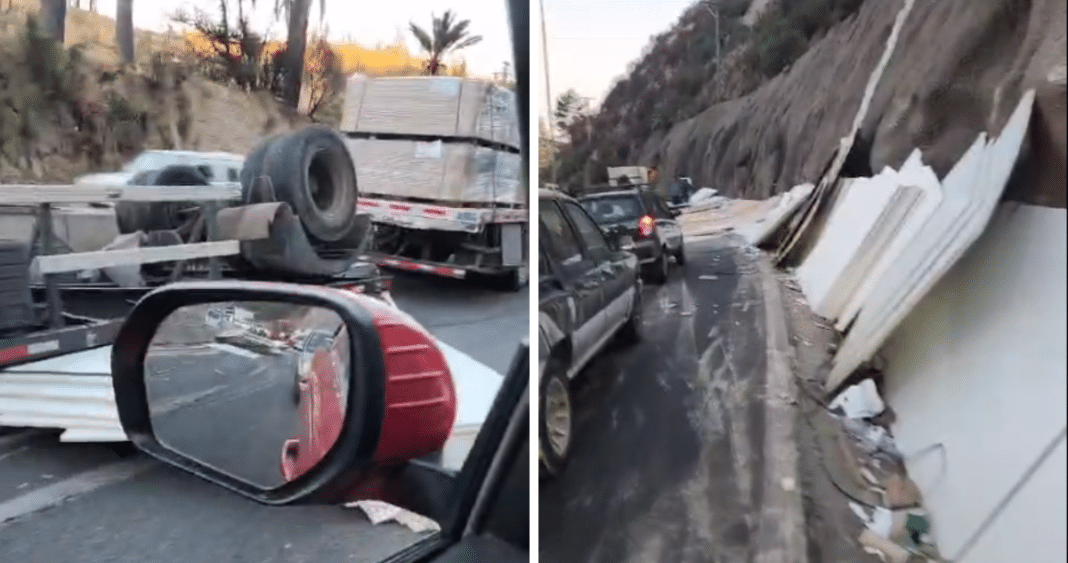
441 139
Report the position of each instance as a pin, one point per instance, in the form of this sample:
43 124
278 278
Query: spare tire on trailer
312 171
252 170
133 216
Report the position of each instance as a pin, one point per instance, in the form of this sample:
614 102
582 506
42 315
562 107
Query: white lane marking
79 484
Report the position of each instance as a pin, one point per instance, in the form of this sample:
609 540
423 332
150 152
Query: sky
591 42
369 23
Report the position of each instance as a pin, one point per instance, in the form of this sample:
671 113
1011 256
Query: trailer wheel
517 279
133 216
312 171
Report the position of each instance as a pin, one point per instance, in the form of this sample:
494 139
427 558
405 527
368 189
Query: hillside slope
959 68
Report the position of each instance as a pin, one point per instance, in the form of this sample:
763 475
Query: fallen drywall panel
977 367
889 224
854 216
758 231
972 196
913 173
922 251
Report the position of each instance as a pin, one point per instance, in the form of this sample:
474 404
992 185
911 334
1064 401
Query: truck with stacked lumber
438 165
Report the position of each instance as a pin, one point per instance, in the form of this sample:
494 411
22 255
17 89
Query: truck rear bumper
454 271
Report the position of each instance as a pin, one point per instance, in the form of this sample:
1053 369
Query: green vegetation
447 35
787 29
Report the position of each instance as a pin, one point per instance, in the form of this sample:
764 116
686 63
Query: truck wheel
680 256
133 216
517 279
554 422
16 300
312 171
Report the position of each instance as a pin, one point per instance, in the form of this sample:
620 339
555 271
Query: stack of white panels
970 194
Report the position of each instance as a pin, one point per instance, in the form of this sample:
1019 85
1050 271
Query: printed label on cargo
428 150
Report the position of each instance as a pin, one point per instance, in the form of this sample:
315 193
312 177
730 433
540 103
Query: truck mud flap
273 241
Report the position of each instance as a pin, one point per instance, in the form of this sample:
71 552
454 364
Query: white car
217 167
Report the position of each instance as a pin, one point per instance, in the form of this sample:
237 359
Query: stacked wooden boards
440 139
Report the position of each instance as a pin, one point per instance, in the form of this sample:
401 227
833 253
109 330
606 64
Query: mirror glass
256 390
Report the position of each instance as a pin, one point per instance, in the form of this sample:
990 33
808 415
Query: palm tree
124 30
53 17
298 12
447 35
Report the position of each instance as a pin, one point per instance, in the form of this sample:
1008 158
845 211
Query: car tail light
646 226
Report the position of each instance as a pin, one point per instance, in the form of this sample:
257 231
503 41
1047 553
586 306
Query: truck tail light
646 226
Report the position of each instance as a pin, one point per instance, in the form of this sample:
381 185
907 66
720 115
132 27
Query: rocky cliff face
959 68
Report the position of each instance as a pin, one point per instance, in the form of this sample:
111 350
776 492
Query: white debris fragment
860 401
379 512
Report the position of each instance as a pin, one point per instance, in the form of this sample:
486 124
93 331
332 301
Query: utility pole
548 94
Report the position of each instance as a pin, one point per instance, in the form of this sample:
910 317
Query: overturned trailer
74 259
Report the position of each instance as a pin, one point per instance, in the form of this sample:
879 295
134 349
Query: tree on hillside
53 16
572 115
447 35
323 76
124 30
297 12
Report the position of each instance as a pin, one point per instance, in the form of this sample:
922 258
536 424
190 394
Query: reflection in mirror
256 390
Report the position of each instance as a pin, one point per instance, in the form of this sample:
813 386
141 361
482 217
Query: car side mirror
279 392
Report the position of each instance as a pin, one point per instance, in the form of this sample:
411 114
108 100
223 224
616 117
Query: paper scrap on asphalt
379 512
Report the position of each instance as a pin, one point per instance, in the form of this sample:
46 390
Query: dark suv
642 214
588 291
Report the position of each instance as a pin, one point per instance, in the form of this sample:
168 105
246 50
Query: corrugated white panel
73 393
970 194
83 405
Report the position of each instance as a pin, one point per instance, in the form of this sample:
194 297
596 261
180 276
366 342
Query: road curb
781 528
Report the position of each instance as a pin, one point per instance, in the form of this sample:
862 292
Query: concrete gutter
781 525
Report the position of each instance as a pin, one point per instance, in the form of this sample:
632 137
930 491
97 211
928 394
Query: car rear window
616 209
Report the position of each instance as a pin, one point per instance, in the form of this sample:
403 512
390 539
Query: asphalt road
250 397
94 504
666 437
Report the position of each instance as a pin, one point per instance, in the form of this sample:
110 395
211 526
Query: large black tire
133 216
553 457
680 256
16 300
312 171
253 169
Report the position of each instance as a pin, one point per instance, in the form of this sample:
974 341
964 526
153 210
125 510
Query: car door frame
463 502
583 296
618 289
